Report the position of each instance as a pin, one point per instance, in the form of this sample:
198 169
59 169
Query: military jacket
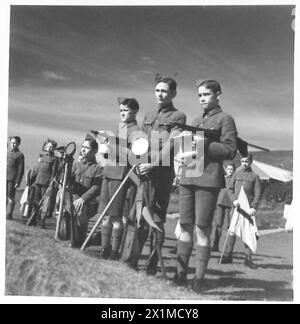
215 151
45 170
15 166
87 178
159 121
115 171
251 184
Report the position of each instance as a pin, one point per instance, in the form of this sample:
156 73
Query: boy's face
207 98
229 170
14 144
86 151
163 94
246 163
126 113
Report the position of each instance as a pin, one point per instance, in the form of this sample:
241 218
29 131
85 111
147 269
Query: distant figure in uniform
160 176
249 180
199 195
42 174
14 173
223 209
112 225
86 177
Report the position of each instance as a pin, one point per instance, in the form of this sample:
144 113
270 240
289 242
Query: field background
37 265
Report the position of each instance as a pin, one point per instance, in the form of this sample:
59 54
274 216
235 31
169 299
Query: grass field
37 265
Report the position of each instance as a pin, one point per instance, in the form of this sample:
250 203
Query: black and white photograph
149 152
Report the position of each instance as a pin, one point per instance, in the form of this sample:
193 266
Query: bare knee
117 222
203 236
106 221
186 233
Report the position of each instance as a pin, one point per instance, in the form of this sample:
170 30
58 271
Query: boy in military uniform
86 177
199 194
224 206
14 173
249 180
161 174
43 173
112 224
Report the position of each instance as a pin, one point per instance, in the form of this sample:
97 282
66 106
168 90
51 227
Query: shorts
108 189
222 216
197 205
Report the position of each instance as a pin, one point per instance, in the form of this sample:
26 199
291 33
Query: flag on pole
242 224
177 230
24 202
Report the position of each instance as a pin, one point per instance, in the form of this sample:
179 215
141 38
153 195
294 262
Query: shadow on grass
276 266
251 289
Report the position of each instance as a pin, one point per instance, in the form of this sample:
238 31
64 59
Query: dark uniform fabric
113 176
224 206
252 187
224 197
14 172
86 177
197 205
87 180
43 173
207 186
161 177
251 184
117 172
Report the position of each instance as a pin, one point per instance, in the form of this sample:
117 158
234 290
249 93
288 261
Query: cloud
147 60
54 76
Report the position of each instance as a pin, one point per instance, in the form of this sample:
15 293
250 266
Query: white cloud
147 60
54 76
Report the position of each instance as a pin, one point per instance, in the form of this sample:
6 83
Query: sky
68 65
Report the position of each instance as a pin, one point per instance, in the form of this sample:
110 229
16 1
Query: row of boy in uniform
198 195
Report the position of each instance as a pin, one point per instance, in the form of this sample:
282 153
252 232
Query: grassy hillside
37 265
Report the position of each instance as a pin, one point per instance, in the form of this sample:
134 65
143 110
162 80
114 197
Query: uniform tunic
114 174
14 171
161 177
198 195
87 177
251 184
43 173
224 206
